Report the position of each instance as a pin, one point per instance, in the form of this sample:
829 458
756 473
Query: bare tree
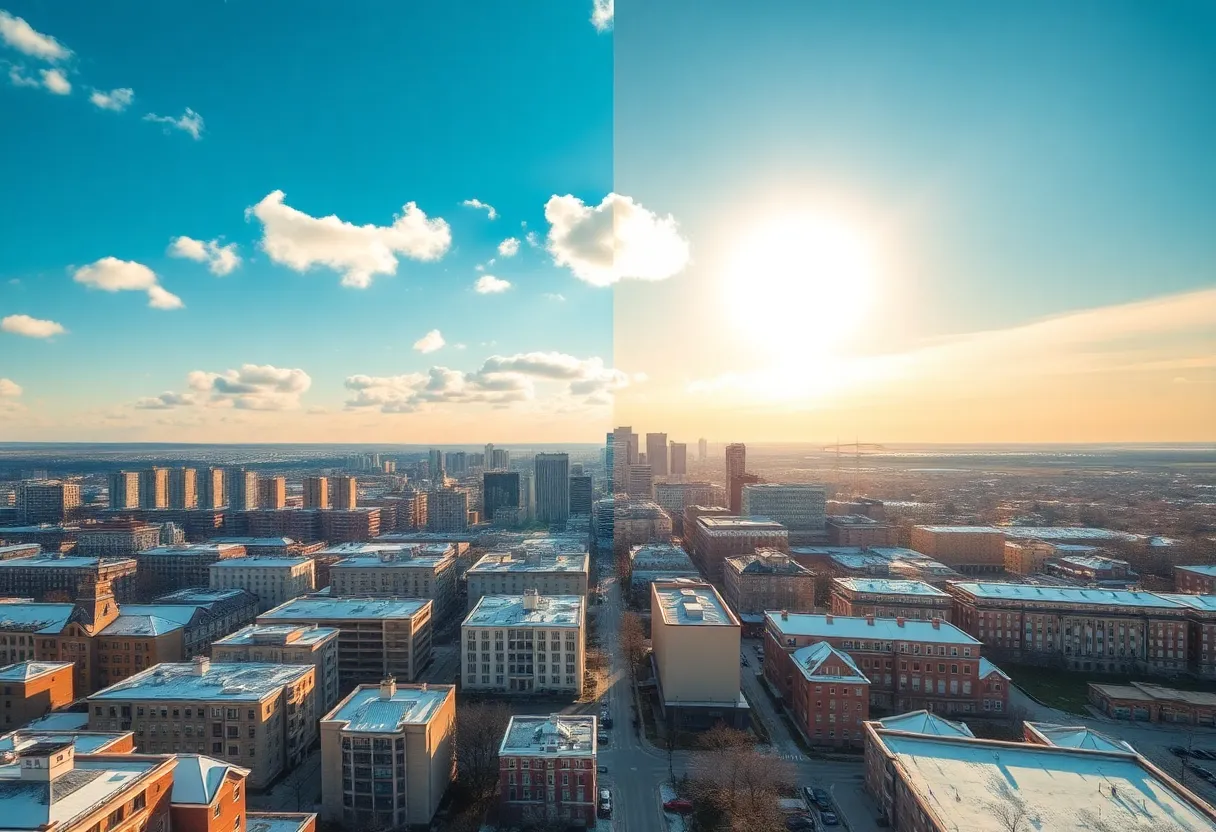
633 639
479 730
739 782
724 738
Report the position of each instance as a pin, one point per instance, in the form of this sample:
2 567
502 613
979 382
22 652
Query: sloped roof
197 778
24 671
987 668
35 618
814 657
923 722
1077 736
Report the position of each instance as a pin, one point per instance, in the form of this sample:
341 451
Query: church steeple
96 607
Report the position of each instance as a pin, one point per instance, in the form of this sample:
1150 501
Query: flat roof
693 604
1093 561
305 635
718 523
1065 594
366 712
59 721
883 629
557 735
201 596
1039 532
85 742
211 548
1208 569
890 586
52 561
35 617
324 609
769 562
376 548
255 541
509 611
24 671
247 563
223 681
26 804
278 821
508 562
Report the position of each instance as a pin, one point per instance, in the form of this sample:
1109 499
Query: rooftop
1076 736
272 563
987 668
1206 603
692 604
1093 561
367 711
54 561
512 611
86 742
1057 533
278 821
29 804
188 549
24 671
255 541
658 554
884 586
860 560
558 735
925 722
326 609
768 562
371 554
235 681
197 779
303 635
883 629
201 596
34 618
59 721
1149 692
1066 595
1208 569
529 562
824 663
717 524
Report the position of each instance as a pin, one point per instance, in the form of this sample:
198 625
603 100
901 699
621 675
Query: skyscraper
580 494
124 489
154 488
316 492
736 460
242 490
346 493
679 459
499 489
47 501
447 511
702 449
641 481
735 490
552 488
656 453
272 492
435 461
183 488
456 463
211 491
624 454
500 460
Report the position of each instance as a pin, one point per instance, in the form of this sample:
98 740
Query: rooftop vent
694 611
899 621
870 620
937 623
828 619
531 600
388 688
201 665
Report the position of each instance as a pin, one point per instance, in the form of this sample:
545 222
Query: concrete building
658 562
270 547
30 689
402 570
272 492
273 580
979 550
116 538
767 579
242 490
696 656
582 495
316 492
170 568
57 577
124 489
641 481
829 696
858 530
799 507
345 493
526 643
886 598
515 572
624 446
154 488
633 522
47 501
287 644
736 460
716 538
500 490
447 511
656 453
262 716
211 492
387 755
377 637
547 771
674 497
1027 557
552 488
679 460
183 488
1195 580
339 525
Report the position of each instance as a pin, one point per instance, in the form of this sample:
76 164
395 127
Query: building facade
887 598
170 568
523 569
829 696
716 538
31 689
547 771
402 570
527 643
287 644
768 579
273 580
552 488
57 577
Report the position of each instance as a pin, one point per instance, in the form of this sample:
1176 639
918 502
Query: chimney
899 621
422 687
531 600
388 688
785 615
870 620
937 623
45 761
201 665
827 619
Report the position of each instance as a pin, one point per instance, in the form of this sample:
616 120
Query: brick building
829 695
58 577
716 538
767 579
116 538
31 689
887 598
287 644
1145 702
547 771
170 568
858 530
1195 580
403 570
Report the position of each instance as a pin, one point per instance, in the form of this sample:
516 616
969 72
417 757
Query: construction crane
857 449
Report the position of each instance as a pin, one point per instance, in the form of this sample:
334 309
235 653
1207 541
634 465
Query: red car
678 805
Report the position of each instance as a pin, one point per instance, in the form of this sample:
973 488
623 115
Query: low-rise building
29 690
979 550
209 796
270 547
1195 580
1026 557
228 610
1092 569
170 568
116 538
19 550
350 525
524 568
658 562
261 716
887 598
547 771
387 755
716 538
767 579
829 696
57 577
526 643
273 580
1146 702
84 742
377 637
858 530
402 570
287 644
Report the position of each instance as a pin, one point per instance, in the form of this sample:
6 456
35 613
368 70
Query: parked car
604 739
679 805
605 720
829 819
602 769
819 798
604 809
743 661
800 823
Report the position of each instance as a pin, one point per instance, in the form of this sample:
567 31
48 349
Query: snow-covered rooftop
897 553
1206 569
86 742
1066 595
261 563
820 662
987 668
885 586
924 722
1077 736
726 523
366 712
1206 603
59 721
1056 533
201 596
29 804
53 561
34 618
327 609
883 629
298 634
140 625
537 561
693 604
279 821
198 778
255 541
24 671
557 735
659 556
235 681
1095 562
406 552
188 550
768 561
510 611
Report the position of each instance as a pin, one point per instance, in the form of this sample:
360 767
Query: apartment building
403 570
829 696
800 507
547 771
889 598
183 488
1027 557
47 501
272 492
211 492
549 572
260 716
447 511
350 525
124 490
226 611
58 577
377 637
674 497
116 538
170 568
658 562
911 664
287 644
716 538
296 523
528 643
978 550
32 689
387 755
273 580
696 656
1195 580
84 742
269 547
345 493
241 490
767 579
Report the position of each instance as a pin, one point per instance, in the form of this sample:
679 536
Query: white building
524 568
524 644
403 570
273 580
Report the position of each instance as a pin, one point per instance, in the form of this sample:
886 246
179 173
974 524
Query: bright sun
801 282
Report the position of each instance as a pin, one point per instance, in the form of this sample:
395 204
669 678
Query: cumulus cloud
602 14
9 389
52 80
615 240
430 342
116 100
488 284
533 239
554 296
252 387
19 35
31 327
188 122
113 275
359 252
482 206
509 247
220 259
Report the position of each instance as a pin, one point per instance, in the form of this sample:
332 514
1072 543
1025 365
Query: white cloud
602 14
19 35
55 81
188 122
484 206
554 296
252 387
509 247
220 259
488 284
616 240
359 252
116 100
31 327
113 275
9 389
430 342
533 239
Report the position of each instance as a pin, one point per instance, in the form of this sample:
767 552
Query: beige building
377 637
696 655
346 493
260 716
273 580
403 570
524 644
767 580
287 644
1025 557
316 492
154 488
170 568
512 573
387 755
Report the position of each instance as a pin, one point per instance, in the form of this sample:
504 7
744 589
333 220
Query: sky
442 222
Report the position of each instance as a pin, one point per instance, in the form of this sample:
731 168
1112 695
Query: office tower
183 488
124 489
580 493
609 454
447 511
702 449
242 491
735 490
679 459
456 463
641 481
47 501
435 462
500 460
736 460
500 489
154 488
552 488
211 493
527 495
316 492
346 493
624 454
489 451
656 453
797 506
272 492
475 460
